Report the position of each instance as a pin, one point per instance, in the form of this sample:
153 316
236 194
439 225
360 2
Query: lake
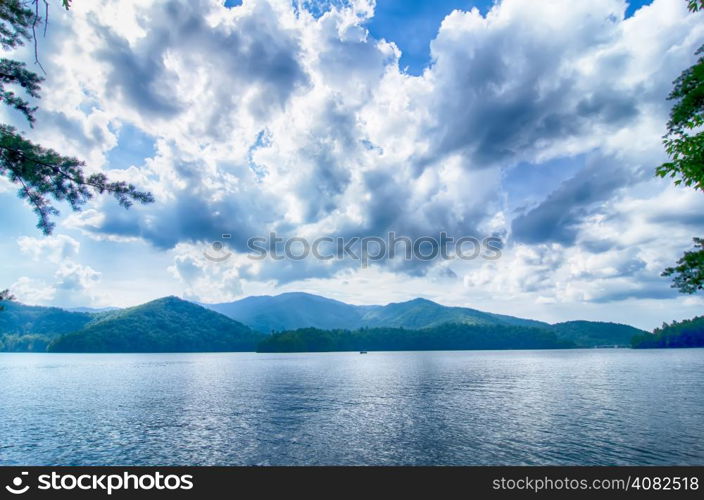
581 407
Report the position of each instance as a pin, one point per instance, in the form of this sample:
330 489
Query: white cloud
72 284
32 291
203 279
53 249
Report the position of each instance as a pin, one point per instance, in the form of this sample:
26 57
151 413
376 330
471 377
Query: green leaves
689 271
15 72
695 5
687 333
42 172
5 296
15 24
687 160
688 92
684 143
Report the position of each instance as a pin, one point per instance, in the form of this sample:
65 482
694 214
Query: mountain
91 309
31 328
512 320
687 333
290 311
596 333
171 324
164 325
443 337
20 319
422 313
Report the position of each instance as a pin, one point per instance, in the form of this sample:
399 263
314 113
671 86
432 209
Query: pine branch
44 173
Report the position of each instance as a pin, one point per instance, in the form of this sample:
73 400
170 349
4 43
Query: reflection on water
498 407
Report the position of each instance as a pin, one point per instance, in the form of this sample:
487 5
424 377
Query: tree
4 297
684 143
689 271
42 174
695 5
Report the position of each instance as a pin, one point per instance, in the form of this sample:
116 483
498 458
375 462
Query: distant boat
362 352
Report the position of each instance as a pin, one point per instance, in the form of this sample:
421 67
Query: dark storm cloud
392 208
639 290
502 125
511 92
138 76
557 218
695 220
257 51
190 217
331 151
72 129
196 210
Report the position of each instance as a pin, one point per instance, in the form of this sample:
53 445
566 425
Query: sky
538 123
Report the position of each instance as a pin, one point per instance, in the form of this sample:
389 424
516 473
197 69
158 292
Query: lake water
482 407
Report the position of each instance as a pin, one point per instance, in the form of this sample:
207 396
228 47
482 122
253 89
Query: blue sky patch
133 147
413 24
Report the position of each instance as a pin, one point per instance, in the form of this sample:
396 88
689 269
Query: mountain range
290 311
171 324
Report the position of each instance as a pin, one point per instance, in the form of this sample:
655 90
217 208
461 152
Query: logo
219 254
16 488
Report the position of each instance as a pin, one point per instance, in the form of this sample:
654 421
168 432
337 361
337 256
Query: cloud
32 291
73 285
252 62
317 130
557 218
204 279
72 277
53 249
